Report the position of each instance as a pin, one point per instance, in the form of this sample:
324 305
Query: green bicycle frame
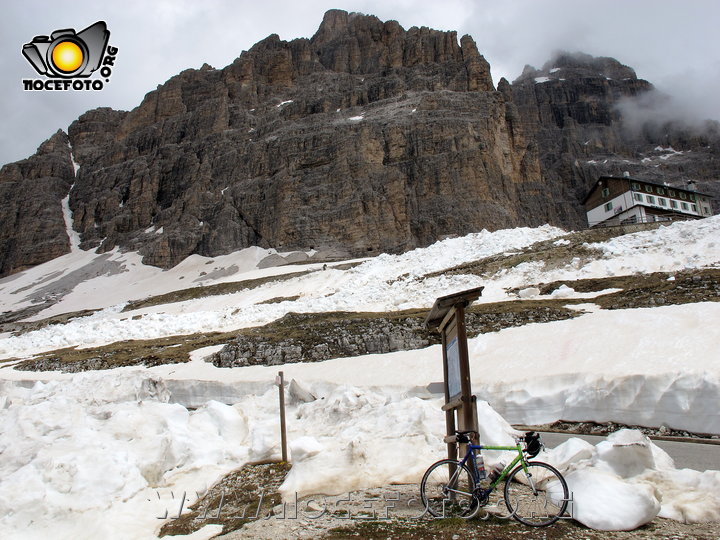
519 458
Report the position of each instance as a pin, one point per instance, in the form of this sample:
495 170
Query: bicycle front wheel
447 488
537 497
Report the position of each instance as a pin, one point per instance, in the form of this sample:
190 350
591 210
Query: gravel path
395 512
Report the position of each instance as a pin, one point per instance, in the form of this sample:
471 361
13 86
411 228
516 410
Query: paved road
696 456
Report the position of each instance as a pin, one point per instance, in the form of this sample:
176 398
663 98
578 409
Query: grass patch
648 290
549 252
210 290
242 496
19 328
454 528
152 352
279 299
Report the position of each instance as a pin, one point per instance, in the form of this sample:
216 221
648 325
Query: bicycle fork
530 480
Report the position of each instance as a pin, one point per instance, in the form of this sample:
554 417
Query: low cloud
655 112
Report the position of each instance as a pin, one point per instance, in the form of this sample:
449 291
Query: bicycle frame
470 456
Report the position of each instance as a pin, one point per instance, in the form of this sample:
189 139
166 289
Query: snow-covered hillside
82 455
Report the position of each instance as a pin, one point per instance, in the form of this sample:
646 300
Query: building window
692 197
694 207
651 199
662 201
684 206
660 191
706 210
648 189
638 197
608 206
673 203
606 193
683 196
671 192
635 186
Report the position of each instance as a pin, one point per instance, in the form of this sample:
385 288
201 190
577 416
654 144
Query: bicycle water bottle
496 470
480 464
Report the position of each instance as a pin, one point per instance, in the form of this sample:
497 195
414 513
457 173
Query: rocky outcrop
33 228
316 342
366 138
306 337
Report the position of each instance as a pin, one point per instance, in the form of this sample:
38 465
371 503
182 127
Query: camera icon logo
68 54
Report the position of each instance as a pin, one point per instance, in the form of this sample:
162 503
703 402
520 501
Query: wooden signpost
448 316
280 382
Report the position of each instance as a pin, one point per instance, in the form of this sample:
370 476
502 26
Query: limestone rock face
32 227
365 138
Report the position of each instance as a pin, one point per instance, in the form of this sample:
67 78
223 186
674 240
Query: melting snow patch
356 118
73 235
602 500
529 292
563 292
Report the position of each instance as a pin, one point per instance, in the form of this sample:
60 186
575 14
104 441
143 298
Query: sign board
452 354
448 316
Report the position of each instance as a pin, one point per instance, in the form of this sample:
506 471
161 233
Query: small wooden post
283 435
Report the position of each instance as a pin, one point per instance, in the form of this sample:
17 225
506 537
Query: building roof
629 179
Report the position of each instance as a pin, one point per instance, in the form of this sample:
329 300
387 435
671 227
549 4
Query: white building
617 201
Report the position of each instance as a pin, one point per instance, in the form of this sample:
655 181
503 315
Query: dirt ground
247 506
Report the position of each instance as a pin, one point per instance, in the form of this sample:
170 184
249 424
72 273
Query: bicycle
535 493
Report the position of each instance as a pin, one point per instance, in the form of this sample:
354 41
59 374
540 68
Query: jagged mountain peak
363 138
564 65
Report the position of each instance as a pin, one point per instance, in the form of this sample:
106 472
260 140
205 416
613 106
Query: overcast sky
673 44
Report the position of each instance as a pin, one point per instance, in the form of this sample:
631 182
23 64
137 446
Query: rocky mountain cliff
592 116
366 138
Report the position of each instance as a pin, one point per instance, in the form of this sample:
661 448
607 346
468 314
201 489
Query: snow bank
97 456
95 446
604 501
87 455
615 365
384 283
626 480
87 280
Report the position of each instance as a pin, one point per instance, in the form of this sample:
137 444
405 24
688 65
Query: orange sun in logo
67 56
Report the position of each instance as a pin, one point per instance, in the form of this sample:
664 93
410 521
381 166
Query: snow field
94 454
385 283
83 455
615 365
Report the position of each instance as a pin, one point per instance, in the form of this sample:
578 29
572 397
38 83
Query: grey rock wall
365 138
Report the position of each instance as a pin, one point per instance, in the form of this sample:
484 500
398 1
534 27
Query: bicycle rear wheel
537 497
447 488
